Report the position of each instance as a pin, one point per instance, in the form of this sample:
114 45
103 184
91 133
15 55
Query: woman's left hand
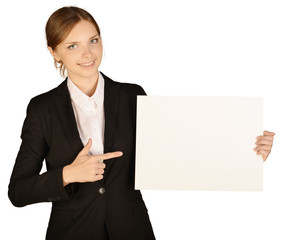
264 144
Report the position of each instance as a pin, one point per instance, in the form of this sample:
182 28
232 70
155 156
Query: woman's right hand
87 168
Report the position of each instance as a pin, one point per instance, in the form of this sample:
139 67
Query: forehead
82 30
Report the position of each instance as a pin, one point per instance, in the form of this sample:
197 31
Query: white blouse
89 115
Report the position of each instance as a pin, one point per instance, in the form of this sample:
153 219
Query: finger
263 153
264 142
100 165
267 133
86 148
107 156
263 147
97 177
265 137
99 171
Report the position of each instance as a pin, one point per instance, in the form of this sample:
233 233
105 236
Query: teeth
87 64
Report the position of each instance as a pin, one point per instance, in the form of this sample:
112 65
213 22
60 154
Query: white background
197 48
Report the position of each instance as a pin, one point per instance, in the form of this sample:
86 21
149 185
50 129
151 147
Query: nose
86 52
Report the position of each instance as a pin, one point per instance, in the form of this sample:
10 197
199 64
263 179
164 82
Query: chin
89 75
85 74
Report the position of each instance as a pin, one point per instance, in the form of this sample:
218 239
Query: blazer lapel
66 114
111 99
111 103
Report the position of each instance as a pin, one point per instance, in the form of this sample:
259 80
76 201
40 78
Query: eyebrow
78 42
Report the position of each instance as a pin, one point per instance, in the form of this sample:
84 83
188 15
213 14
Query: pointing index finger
107 156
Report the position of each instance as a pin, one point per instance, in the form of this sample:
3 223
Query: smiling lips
86 64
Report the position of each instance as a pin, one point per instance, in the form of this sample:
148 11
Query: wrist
66 175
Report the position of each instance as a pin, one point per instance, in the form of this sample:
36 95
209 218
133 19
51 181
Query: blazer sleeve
27 185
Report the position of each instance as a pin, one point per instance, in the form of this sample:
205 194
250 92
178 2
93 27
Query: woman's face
81 51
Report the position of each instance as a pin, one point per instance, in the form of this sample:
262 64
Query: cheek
99 54
70 59
98 50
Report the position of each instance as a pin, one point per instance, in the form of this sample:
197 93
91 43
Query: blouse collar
81 99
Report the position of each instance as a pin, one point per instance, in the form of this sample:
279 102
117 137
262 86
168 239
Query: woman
71 126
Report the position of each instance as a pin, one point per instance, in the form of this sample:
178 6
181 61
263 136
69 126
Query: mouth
88 64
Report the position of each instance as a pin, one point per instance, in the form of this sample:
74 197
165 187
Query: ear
54 54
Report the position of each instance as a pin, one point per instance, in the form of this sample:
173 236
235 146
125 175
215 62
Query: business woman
71 126
85 131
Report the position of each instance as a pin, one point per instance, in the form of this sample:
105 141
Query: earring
58 63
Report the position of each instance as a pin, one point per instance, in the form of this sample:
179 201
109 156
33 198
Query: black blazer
81 210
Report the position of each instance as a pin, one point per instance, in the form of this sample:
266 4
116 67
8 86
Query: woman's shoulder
46 98
125 87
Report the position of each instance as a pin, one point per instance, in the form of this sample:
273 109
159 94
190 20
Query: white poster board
198 143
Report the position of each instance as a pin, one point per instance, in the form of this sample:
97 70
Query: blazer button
101 190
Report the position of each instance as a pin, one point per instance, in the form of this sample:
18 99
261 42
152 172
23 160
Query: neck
86 85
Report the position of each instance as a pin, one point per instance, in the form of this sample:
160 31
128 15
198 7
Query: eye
94 40
73 46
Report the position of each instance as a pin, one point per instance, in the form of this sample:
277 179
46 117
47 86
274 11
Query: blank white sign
198 143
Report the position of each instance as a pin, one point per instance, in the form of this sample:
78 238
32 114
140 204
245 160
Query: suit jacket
81 210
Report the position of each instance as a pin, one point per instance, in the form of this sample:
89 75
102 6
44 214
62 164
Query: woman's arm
27 186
